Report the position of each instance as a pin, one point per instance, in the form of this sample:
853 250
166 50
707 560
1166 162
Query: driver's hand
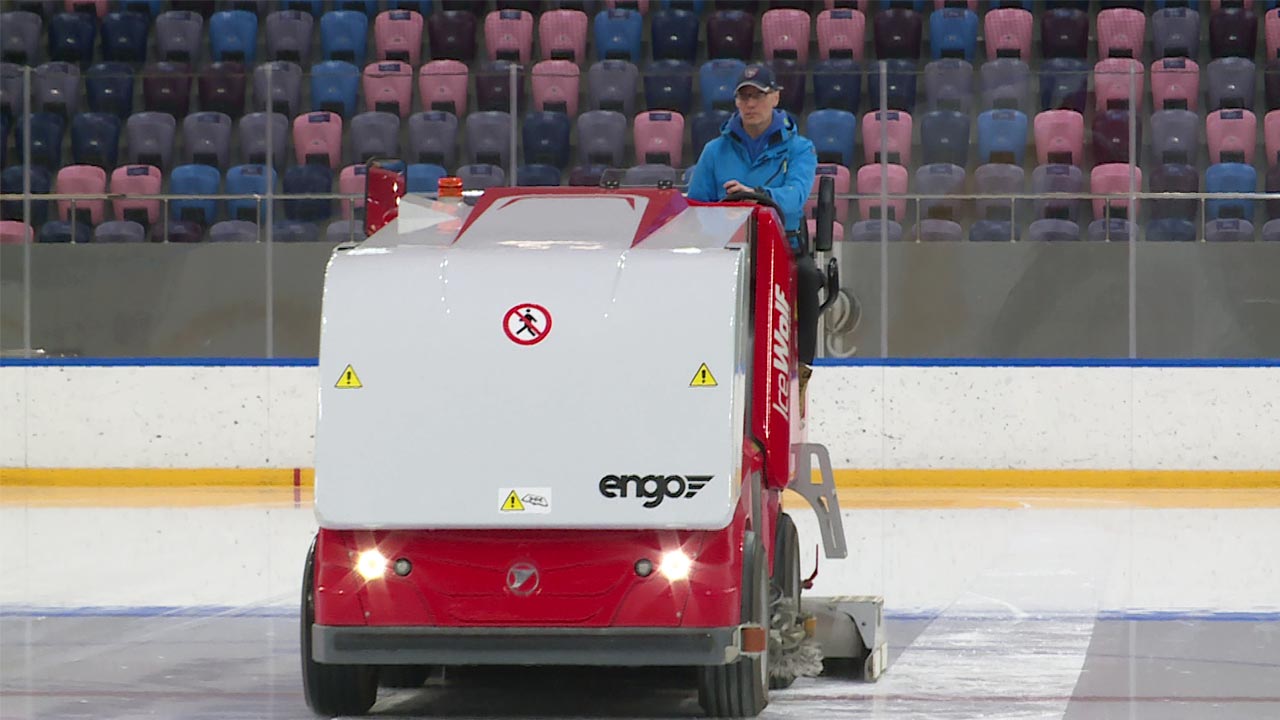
733 186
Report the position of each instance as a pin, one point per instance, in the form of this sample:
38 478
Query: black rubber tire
403 676
741 688
331 689
786 580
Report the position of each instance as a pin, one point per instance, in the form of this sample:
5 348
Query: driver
761 150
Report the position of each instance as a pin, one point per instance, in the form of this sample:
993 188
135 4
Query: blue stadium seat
900 76
47 130
423 177
422 7
194 180
675 35
617 35
233 35
1064 84
837 84
61 231
333 87
1193 4
124 37
95 139
368 7
71 38
1002 136
11 183
1171 230
705 127
546 139
993 231
308 179
953 33
1230 178
717 80
248 180
537 175
832 133
150 8
344 35
315 7
109 87
695 6
668 85
944 135
294 232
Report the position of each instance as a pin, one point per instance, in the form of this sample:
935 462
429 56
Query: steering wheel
759 198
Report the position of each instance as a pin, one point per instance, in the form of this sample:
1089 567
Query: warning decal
349 379
525 500
527 324
703 378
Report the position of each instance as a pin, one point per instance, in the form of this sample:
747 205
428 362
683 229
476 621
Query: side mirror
383 189
825 214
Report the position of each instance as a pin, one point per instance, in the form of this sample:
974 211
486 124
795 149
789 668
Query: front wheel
331 689
741 688
785 585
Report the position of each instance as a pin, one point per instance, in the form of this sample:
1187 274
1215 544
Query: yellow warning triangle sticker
512 503
349 379
703 378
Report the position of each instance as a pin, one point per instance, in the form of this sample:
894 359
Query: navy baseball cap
759 77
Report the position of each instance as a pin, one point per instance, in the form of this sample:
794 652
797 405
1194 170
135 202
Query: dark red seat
898 33
1233 32
452 35
166 88
221 88
1111 137
731 34
493 86
1064 33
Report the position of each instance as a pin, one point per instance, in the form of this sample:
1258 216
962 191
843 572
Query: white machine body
551 352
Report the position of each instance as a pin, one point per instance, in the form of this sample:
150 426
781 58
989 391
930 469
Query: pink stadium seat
1175 84
555 86
641 5
1113 179
1232 135
869 177
1215 5
15 231
351 182
971 5
842 179
785 35
508 35
898 149
1060 138
1008 34
862 5
1111 81
841 34
82 180
397 35
562 35
130 180
99 6
659 137
1273 34
317 139
1271 131
1121 32
442 85
388 87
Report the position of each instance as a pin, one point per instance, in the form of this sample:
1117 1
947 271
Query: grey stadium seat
206 139
1230 82
375 134
940 179
150 139
948 85
56 88
998 179
650 175
433 138
1112 230
488 136
234 231
611 85
289 36
1175 32
870 231
1006 84
253 138
342 231
1228 230
179 35
1057 179
480 176
935 230
1271 231
1054 230
284 80
1175 136
20 34
602 137
119 231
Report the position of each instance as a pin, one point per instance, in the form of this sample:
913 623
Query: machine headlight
371 564
675 565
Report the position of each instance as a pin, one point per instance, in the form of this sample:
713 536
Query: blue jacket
784 169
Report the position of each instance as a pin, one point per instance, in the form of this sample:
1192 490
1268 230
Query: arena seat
1117 83
343 36
1175 136
1111 136
424 177
308 180
874 179
481 176
996 179
556 87
397 35
1114 179
109 89
119 231
953 33
1064 84
194 180
255 129
731 34
1121 33
944 137
11 181
20 33
1175 84
1049 179
1007 33
875 231
705 127
940 179
277 86
72 38
206 139
1059 136
442 85
832 133
149 137
56 88
334 84
81 180
317 139
1228 230
841 34
535 175
668 85
60 231
1231 135
602 137
1230 178
1006 84
1174 178
1233 32
900 85
351 181
488 135
897 34
179 36
1171 230
375 134
388 87
618 35
249 179
994 231
842 180
1229 83
1002 136
659 138
562 35
289 36
233 35
784 35
433 138
545 136
1053 230
45 145
509 35
1175 32
837 85
586 175
611 85
893 143
674 35
1064 34
452 36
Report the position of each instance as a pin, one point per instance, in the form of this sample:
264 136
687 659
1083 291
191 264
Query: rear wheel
741 688
331 689
785 586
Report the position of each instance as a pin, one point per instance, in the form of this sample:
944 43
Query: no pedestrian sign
527 324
